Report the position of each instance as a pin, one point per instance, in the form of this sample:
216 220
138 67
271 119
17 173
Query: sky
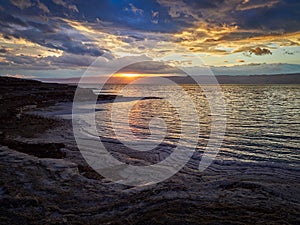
62 38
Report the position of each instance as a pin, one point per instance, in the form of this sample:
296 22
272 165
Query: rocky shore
45 180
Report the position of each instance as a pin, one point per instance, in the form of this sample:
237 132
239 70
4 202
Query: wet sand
45 180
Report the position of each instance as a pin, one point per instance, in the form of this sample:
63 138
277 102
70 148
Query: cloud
50 34
260 51
250 5
73 8
155 16
70 60
105 64
22 4
135 9
152 67
21 76
256 69
208 38
42 6
205 38
64 4
205 24
289 52
184 11
3 50
76 62
65 61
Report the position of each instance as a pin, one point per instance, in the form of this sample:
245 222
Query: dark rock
40 150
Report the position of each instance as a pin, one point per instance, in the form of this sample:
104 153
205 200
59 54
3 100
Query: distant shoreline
205 79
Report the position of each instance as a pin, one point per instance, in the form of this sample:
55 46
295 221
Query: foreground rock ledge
52 191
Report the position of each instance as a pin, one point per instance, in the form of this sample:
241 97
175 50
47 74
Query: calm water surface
262 121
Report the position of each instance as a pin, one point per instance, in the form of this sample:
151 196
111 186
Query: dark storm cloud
170 15
49 34
255 14
281 15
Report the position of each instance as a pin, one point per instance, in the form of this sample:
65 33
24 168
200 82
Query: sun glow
129 75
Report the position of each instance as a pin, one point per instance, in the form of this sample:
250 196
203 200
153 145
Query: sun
129 75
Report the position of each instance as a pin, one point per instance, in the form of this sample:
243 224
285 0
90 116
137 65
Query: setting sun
129 75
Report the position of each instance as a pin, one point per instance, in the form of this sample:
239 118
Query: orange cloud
227 39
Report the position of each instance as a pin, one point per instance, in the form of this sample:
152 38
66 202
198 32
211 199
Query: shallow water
262 121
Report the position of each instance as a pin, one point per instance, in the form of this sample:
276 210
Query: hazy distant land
222 79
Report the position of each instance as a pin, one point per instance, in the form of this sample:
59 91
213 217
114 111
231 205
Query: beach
45 180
